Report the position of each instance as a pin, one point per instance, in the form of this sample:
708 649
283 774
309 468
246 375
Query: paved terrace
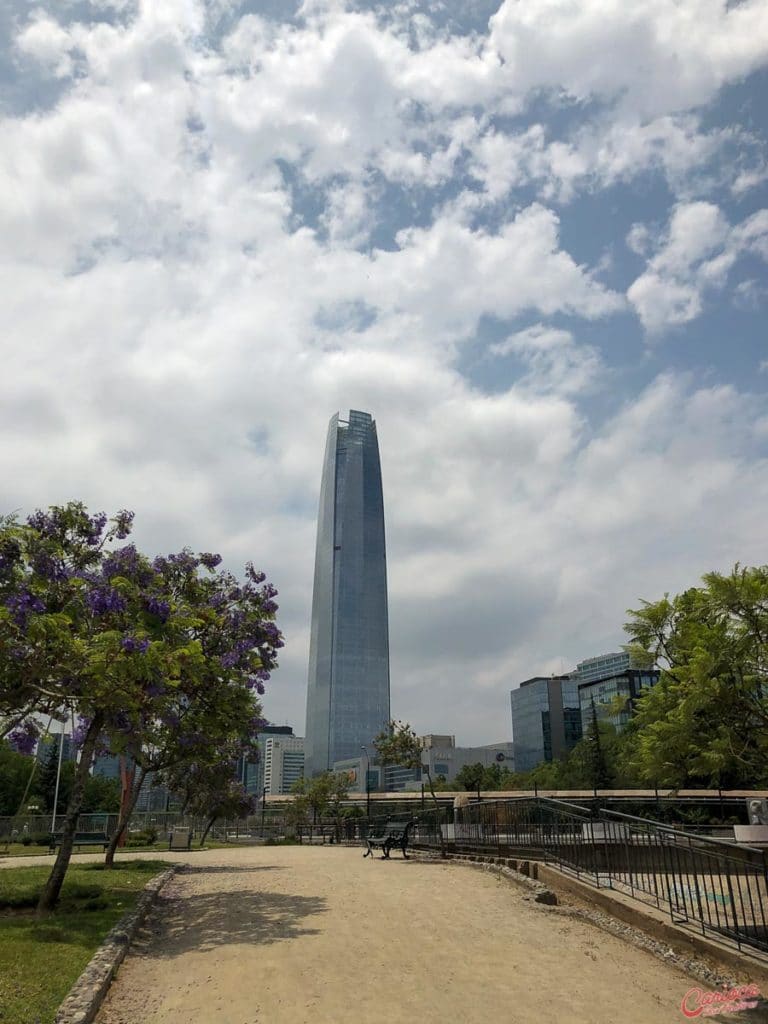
272 935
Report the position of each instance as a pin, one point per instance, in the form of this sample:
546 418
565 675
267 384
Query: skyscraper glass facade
348 687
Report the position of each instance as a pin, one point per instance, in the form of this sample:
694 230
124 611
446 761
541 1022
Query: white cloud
208 248
555 362
694 256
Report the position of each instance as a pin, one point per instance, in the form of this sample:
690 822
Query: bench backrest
398 828
97 837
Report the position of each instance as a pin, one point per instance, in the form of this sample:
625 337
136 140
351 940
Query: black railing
718 887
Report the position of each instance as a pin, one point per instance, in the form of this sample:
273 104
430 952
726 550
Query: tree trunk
126 810
437 815
50 894
208 828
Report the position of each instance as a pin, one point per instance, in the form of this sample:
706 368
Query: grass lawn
40 960
160 847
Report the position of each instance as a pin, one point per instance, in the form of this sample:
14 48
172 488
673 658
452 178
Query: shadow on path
202 922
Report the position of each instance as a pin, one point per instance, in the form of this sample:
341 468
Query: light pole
367 782
263 808
58 774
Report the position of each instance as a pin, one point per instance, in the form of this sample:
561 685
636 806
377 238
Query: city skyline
348 678
543 271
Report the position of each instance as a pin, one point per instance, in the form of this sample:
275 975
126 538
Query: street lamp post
367 782
263 807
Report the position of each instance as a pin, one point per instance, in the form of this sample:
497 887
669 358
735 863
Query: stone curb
691 966
87 994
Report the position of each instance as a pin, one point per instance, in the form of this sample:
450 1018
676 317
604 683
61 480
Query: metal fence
714 885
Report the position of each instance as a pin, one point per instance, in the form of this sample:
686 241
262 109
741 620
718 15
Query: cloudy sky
530 239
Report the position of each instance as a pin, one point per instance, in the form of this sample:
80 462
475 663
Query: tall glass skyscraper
348 691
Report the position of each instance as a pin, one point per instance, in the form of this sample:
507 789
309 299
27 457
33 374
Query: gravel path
274 935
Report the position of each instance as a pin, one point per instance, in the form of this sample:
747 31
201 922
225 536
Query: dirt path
319 935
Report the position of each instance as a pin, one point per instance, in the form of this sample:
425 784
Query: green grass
40 960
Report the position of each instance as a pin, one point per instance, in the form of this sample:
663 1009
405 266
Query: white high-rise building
283 763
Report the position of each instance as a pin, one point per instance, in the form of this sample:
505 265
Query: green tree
600 774
322 794
706 721
101 794
471 777
15 772
399 744
155 656
45 784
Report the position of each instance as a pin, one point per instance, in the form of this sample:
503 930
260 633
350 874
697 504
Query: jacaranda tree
159 658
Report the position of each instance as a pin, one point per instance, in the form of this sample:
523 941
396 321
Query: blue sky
530 239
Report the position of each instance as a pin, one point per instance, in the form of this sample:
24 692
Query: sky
530 238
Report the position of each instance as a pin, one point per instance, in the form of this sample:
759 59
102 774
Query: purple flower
253 575
155 689
24 738
210 561
48 567
134 645
122 562
81 730
156 606
95 529
105 600
22 605
43 523
184 560
123 523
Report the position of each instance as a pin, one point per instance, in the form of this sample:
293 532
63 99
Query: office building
445 760
107 765
355 768
251 773
348 685
601 667
627 685
546 720
283 763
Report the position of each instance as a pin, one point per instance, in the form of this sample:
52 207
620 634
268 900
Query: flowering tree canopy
162 659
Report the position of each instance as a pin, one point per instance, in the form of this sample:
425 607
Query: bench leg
385 852
369 851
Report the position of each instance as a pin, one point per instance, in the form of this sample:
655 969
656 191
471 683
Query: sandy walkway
297 934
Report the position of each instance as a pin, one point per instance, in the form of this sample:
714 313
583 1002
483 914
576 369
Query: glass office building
602 666
627 685
546 720
348 687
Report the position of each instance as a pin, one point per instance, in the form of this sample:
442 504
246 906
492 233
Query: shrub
145 837
34 839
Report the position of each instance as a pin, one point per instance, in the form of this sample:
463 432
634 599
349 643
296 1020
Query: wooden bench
394 834
80 839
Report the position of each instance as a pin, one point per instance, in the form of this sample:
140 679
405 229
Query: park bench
81 839
393 834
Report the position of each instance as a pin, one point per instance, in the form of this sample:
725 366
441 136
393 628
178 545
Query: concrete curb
87 994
